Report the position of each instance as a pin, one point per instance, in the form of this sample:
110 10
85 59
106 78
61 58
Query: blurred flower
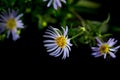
56 3
105 48
10 21
59 42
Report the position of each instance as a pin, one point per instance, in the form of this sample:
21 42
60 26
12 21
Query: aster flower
56 3
105 48
10 21
57 42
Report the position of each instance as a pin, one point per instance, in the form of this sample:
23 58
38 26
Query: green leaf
107 20
87 4
106 35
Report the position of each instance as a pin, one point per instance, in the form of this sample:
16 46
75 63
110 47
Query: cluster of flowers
57 42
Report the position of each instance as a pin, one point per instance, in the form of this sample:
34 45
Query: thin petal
14 13
19 24
51 30
68 42
5 14
49 3
64 54
95 53
52 49
8 33
3 17
58 3
98 41
64 1
65 31
59 53
105 56
11 14
49 41
54 31
98 55
112 55
99 44
54 35
113 49
67 52
55 5
47 36
68 47
57 31
109 41
112 43
117 47
15 36
19 16
95 48
2 27
54 53
46 45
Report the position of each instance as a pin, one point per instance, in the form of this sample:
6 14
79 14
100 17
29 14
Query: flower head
56 3
105 48
58 42
10 21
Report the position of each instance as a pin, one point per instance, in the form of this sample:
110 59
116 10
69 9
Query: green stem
82 22
76 35
78 16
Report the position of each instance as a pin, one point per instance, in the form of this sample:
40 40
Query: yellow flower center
11 23
61 41
104 48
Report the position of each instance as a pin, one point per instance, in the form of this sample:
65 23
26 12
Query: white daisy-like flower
57 42
10 21
56 3
105 48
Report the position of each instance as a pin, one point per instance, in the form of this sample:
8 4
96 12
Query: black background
29 48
